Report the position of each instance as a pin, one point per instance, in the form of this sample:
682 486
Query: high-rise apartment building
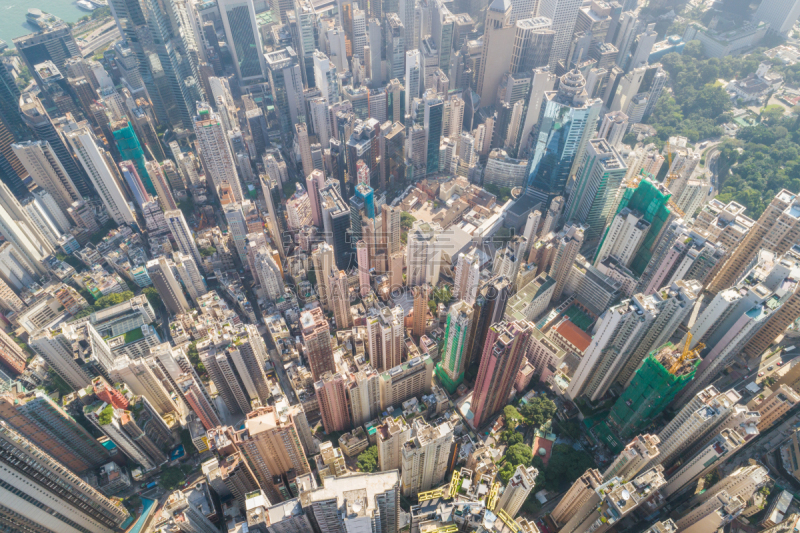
774 405
215 149
392 434
167 285
636 456
316 335
425 457
578 494
340 298
331 391
517 490
47 172
467 277
719 449
98 165
570 240
503 352
39 493
385 332
423 254
141 380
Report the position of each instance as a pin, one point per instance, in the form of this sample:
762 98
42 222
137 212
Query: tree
153 297
406 220
171 478
519 454
368 459
506 472
188 445
511 415
112 299
539 410
207 251
565 466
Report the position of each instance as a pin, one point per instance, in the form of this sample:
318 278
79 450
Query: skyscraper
331 391
286 83
517 490
425 458
98 165
498 43
131 150
35 481
503 352
569 243
567 122
244 40
37 119
316 337
19 230
434 109
423 254
183 235
595 191
160 271
415 77
563 13
385 334
451 369
467 277
216 151
780 15
47 172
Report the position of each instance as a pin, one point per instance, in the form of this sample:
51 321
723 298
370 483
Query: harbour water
12 15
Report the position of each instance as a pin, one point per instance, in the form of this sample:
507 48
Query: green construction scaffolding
653 387
653 204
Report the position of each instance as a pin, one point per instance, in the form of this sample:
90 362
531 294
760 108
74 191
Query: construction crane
430 495
507 520
491 500
454 482
686 353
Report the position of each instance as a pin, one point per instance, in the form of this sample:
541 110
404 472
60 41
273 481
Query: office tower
467 278
565 126
570 240
286 83
595 190
325 77
642 46
53 43
159 175
141 380
332 397
415 77
532 45
244 40
38 418
503 352
391 228
34 481
636 456
718 450
160 271
613 128
271 443
336 222
517 490
654 385
423 254
498 41
563 13
238 228
613 501
47 172
36 118
542 82
216 152
317 340
301 138
9 101
425 457
47 206
139 434
136 186
11 170
394 35
182 234
780 15
385 334
451 369
632 235
95 161
392 434
578 494
434 108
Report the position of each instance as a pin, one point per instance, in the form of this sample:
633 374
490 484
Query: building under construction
663 374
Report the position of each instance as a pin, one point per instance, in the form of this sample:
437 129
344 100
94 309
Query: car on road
760 374
770 367
779 363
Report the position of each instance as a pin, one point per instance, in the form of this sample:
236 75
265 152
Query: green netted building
651 200
653 387
450 370
130 150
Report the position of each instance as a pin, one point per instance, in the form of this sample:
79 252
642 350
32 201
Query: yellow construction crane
454 482
491 500
507 520
430 495
686 353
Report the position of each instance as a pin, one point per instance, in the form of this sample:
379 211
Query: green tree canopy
519 454
539 410
368 459
112 299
